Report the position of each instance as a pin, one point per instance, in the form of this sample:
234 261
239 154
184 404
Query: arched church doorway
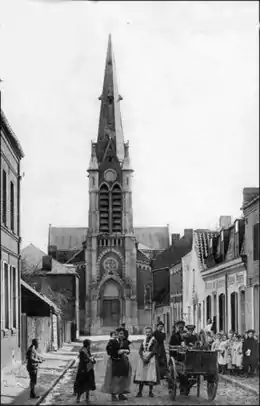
111 305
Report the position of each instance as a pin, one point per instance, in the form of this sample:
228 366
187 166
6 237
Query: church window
110 210
116 209
104 209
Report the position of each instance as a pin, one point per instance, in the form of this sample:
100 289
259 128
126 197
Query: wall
10 249
10 349
187 286
215 284
193 289
40 328
252 292
62 283
144 318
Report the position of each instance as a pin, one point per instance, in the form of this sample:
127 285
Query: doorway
242 311
234 311
221 304
111 316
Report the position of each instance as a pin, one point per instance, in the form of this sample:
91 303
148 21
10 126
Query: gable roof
201 241
33 258
229 250
71 238
173 254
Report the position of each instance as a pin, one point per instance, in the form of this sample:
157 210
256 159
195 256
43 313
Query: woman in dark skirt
118 372
160 337
85 379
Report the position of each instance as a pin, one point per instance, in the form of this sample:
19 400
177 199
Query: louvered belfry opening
104 209
116 209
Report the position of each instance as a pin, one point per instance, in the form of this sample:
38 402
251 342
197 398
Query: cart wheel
172 380
198 386
212 387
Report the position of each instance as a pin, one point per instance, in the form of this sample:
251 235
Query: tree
33 275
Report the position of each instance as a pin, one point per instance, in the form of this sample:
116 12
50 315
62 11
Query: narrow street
62 394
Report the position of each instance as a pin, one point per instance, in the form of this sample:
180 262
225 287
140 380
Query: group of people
150 368
237 354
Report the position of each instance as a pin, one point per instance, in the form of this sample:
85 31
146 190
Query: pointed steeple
110 122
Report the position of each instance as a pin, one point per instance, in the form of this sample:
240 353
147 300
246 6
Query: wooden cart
192 364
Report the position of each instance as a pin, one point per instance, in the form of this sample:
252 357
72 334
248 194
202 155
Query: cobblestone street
62 394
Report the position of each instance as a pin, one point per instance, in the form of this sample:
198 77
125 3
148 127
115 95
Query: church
113 258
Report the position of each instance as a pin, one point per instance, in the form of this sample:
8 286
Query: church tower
111 245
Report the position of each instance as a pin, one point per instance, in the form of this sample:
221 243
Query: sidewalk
15 381
248 384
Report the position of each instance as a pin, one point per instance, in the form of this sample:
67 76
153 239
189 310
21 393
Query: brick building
251 213
165 277
113 257
11 155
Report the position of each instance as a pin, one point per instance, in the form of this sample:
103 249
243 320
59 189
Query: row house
165 276
11 155
224 275
194 307
251 214
176 291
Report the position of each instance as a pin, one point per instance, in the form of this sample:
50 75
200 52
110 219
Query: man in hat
190 338
33 361
250 353
177 338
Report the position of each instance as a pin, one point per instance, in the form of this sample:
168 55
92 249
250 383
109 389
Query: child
229 351
222 359
216 347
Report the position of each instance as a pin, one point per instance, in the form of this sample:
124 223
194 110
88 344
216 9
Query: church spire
110 122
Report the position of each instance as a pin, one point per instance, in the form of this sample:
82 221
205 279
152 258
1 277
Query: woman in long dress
118 372
160 337
147 371
85 379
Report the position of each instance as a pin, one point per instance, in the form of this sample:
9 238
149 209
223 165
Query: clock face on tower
110 175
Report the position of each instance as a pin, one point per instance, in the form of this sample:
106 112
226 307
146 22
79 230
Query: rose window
110 265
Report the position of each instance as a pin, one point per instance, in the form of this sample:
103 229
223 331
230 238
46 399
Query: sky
188 74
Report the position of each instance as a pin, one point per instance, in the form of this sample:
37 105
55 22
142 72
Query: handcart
192 364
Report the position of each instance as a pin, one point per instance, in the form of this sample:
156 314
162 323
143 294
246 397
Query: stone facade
224 275
115 272
251 213
11 154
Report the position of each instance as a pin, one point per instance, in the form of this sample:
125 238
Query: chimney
175 237
46 263
188 233
249 193
225 222
52 251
